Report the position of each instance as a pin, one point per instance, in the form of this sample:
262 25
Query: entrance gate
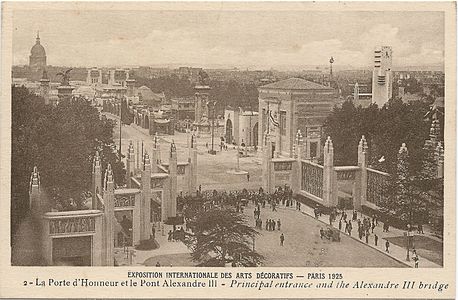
72 251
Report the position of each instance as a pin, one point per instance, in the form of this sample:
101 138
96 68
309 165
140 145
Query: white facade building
382 76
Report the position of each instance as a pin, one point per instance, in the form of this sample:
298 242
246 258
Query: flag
274 122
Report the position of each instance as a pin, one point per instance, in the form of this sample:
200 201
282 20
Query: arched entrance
255 135
228 135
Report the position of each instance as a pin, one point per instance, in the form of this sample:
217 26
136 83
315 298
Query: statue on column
65 77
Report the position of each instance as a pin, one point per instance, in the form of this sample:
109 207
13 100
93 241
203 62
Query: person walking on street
375 239
282 239
278 224
415 257
387 247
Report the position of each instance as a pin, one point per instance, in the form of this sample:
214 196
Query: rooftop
295 84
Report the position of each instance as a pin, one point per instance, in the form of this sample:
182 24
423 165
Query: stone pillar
278 146
267 167
156 154
440 160
329 178
97 242
130 82
96 180
165 199
146 199
297 165
138 155
136 224
172 207
192 164
109 217
35 206
130 164
46 242
236 128
360 195
44 87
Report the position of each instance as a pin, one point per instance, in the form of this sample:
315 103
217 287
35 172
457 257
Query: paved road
213 170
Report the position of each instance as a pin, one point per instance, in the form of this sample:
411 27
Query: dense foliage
221 236
61 141
385 130
415 197
226 93
413 193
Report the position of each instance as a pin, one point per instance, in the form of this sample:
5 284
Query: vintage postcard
228 150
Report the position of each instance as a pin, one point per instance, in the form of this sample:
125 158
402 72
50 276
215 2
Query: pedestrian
373 227
367 237
340 224
260 224
278 224
330 219
273 225
158 264
387 247
420 228
415 257
375 239
282 239
169 238
321 233
248 177
153 232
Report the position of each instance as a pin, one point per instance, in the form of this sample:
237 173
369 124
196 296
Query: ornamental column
109 218
329 178
146 199
360 196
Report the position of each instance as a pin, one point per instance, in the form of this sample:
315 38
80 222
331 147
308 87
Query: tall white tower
382 78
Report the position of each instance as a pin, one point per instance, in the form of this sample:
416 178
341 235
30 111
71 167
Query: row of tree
413 194
61 141
385 129
227 93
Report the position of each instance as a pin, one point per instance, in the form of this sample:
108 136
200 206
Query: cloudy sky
253 39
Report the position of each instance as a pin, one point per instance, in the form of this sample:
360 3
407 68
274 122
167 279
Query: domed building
37 59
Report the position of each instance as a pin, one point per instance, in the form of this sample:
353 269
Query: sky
244 39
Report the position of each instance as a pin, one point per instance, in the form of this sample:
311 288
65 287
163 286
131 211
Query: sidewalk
396 252
165 248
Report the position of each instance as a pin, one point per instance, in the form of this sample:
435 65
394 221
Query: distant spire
38 36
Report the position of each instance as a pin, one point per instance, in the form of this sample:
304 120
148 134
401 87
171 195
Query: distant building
37 59
360 96
183 108
94 76
290 105
382 78
147 97
241 127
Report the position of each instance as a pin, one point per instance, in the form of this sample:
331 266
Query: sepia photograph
228 138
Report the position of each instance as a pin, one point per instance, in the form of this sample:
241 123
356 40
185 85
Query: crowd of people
204 200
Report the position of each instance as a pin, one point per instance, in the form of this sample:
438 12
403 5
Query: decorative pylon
297 144
96 179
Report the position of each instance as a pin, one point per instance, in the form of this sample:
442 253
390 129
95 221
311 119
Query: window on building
283 122
313 149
